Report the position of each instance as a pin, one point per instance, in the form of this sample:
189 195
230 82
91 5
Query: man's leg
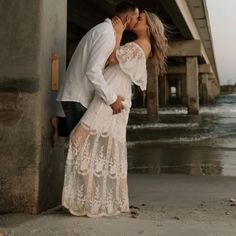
62 126
74 112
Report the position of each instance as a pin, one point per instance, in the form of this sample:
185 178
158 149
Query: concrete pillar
213 88
152 92
200 88
32 172
184 89
163 90
205 89
192 85
167 89
178 88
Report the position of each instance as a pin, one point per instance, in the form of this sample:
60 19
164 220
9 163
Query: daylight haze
223 19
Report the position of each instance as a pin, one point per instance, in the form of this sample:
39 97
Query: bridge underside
38 42
187 52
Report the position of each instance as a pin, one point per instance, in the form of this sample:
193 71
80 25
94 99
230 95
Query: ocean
203 144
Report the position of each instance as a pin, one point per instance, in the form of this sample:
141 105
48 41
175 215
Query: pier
38 39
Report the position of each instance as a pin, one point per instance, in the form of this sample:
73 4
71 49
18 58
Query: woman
96 168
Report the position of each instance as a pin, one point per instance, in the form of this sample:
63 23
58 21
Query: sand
166 204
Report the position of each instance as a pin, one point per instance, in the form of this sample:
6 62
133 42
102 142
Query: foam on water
174 140
226 109
163 125
173 110
219 141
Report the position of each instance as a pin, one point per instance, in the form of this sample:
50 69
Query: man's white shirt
84 75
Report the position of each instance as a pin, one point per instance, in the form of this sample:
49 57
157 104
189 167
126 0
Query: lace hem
96 174
88 214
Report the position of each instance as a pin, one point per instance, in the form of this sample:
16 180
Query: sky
222 14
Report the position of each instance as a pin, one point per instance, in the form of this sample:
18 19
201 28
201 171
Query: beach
181 179
162 205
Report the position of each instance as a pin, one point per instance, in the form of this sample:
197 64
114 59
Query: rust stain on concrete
10 107
193 100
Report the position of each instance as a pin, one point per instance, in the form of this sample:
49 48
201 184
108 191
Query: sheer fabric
96 167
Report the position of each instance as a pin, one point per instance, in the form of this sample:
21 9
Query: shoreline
199 159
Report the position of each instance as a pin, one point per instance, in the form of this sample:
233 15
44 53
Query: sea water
203 144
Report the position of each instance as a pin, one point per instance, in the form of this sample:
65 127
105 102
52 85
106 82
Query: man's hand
118 25
117 106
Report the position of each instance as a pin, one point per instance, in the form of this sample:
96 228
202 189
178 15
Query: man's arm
119 29
98 56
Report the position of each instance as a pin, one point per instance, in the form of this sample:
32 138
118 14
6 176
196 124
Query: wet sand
166 204
200 158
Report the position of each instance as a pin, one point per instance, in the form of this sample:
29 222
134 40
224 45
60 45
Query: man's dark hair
125 6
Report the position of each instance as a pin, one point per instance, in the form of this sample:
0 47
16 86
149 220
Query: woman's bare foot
54 133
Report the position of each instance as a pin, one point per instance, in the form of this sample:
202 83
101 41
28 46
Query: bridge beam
202 69
186 48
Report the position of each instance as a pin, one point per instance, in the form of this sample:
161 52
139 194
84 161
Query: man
84 76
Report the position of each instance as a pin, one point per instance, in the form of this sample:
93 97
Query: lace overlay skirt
96 168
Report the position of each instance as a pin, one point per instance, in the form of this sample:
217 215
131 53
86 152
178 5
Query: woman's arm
119 29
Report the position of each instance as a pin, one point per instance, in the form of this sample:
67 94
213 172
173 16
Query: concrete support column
192 85
200 88
178 88
152 92
163 90
183 89
205 89
32 172
168 90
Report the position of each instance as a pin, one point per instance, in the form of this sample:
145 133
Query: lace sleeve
132 61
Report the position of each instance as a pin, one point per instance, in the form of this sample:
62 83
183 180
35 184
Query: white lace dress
96 168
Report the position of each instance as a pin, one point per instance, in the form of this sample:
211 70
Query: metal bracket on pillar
55 72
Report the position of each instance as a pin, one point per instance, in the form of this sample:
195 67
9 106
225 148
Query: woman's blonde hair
158 42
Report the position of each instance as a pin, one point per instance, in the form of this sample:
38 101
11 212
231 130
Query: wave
226 140
162 125
139 111
179 140
173 110
218 110
226 109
